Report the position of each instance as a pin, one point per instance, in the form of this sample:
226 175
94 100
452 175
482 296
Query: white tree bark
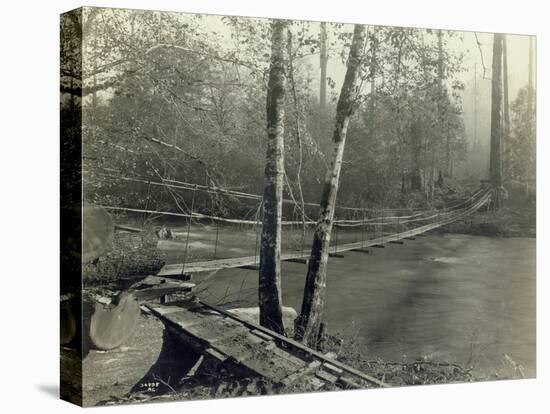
269 292
308 323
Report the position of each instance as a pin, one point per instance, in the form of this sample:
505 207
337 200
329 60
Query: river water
453 298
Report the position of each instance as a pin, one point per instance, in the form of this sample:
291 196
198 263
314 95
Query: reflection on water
455 298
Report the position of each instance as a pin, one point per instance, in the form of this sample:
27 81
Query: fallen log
111 326
112 323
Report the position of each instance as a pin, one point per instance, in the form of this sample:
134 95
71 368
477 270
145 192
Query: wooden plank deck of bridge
252 262
245 348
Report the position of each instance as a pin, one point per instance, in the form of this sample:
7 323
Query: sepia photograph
260 206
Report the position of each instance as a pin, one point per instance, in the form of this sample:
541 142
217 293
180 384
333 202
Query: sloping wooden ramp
252 261
245 348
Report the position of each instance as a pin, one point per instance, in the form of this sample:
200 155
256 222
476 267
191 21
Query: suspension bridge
229 341
404 226
402 223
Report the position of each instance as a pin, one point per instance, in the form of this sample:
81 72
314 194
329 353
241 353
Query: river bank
507 222
155 367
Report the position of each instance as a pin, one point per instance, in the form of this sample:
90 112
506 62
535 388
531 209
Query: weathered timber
246 348
162 291
228 342
347 383
291 343
184 277
360 250
299 375
231 263
397 242
262 335
332 369
325 376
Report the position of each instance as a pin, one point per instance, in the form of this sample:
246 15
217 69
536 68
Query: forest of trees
159 76
199 100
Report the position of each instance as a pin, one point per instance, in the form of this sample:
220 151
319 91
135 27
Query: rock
253 315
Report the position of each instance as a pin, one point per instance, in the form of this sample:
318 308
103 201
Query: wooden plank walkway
245 348
252 262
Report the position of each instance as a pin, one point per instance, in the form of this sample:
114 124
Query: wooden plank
272 363
151 281
218 356
213 332
262 335
184 277
213 359
348 383
297 375
325 376
298 345
159 291
332 369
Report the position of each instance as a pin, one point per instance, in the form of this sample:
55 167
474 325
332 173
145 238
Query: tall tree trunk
323 63
440 109
495 168
307 325
270 249
505 150
372 103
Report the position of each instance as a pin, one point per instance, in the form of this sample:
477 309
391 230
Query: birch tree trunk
495 168
269 292
308 323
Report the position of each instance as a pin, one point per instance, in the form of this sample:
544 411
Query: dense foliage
182 97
